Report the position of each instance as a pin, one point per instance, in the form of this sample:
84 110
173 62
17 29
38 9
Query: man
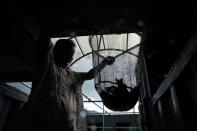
55 102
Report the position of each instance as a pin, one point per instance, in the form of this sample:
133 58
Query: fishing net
116 83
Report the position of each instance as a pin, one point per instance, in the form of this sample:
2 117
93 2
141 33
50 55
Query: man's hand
109 60
94 71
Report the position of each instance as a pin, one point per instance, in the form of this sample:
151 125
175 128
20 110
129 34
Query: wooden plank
13 93
177 68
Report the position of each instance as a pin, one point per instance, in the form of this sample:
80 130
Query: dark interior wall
9 108
61 16
16 52
170 27
185 87
22 23
5 103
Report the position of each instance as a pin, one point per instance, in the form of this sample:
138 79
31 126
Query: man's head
63 52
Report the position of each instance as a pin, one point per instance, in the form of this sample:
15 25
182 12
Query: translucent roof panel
83 40
115 41
133 39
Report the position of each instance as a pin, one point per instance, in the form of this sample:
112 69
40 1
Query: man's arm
94 71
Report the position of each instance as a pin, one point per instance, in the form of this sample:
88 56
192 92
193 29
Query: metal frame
127 41
96 52
177 68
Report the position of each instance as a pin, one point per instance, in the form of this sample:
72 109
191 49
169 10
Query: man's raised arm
94 71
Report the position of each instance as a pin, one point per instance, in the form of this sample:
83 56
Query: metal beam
103 42
127 51
99 43
26 85
13 93
96 52
177 68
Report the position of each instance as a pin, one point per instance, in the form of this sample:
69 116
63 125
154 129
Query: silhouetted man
55 102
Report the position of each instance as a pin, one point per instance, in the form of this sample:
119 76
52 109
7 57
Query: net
115 83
